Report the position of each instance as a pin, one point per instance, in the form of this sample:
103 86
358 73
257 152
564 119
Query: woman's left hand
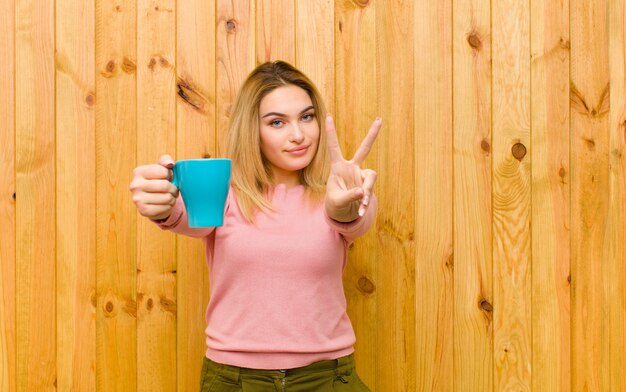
349 187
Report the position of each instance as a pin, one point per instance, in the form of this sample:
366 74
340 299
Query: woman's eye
276 123
308 117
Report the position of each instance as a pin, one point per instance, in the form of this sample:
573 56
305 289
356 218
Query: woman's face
289 132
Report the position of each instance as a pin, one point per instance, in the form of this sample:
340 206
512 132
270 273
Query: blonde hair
251 173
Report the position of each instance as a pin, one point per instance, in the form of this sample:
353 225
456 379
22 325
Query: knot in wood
474 41
108 307
89 99
206 156
519 151
485 146
149 304
128 65
366 285
152 63
486 306
231 25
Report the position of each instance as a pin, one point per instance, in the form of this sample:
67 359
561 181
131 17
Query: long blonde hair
251 174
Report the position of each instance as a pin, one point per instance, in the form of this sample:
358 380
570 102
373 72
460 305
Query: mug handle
174 179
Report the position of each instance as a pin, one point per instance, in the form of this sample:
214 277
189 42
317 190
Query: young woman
276 318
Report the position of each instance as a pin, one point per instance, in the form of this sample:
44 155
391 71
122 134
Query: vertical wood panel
550 196
116 142
315 46
433 196
235 58
7 200
196 135
511 195
473 267
76 197
35 233
615 242
589 107
356 107
275 31
156 252
396 219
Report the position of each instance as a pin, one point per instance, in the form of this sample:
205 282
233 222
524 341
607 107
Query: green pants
323 376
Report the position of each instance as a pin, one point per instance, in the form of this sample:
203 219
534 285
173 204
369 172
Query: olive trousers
323 376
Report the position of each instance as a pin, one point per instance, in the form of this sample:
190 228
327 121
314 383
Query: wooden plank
195 106
275 31
7 199
511 195
35 230
76 197
235 37
156 251
356 107
473 260
614 278
589 108
116 321
314 42
550 196
433 196
396 160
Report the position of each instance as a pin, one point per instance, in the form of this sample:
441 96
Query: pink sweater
276 296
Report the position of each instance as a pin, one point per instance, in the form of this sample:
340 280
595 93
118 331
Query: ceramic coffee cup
203 184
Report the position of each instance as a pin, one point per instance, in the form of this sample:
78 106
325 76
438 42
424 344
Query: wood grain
235 40
511 189
473 154
76 196
550 46
589 108
156 251
356 73
35 218
434 265
116 222
614 279
196 138
7 199
397 362
275 31
315 46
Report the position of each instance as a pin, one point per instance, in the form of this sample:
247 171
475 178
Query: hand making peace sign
349 187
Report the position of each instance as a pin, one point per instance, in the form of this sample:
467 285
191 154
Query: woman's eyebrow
284 115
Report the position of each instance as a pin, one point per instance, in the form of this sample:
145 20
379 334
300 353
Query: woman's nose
296 135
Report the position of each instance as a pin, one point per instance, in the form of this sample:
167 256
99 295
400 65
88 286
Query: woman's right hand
153 193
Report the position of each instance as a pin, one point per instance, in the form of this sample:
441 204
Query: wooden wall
498 258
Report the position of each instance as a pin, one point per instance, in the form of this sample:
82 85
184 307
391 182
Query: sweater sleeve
352 230
177 222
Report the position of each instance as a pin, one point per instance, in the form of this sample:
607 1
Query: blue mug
203 184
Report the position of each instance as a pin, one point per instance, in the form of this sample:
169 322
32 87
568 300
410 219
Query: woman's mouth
298 150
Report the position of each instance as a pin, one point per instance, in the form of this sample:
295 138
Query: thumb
166 161
346 197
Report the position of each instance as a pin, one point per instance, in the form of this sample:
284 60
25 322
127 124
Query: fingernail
361 210
378 118
366 200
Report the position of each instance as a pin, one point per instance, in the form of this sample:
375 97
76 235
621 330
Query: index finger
368 142
333 142
152 172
